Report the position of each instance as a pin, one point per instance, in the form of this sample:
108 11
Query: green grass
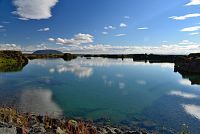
7 61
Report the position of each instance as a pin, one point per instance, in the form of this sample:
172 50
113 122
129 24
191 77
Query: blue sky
101 26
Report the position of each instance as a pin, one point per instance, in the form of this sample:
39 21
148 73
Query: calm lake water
109 90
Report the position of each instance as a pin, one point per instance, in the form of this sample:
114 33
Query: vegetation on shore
188 64
152 58
30 123
11 61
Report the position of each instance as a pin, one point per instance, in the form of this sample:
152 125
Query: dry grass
13 117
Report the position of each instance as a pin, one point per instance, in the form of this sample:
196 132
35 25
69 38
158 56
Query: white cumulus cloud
77 40
193 3
34 9
187 16
123 25
10 47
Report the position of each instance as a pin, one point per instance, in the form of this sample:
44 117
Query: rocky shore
13 61
152 58
188 64
13 122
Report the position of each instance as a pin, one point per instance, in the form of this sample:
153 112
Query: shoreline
22 119
15 122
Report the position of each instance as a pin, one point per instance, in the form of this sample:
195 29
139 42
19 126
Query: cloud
194 33
44 29
131 49
123 25
1 26
109 27
186 42
143 28
190 29
193 3
9 47
127 17
77 40
120 35
175 48
35 9
164 41
193 110
105 33
183 94
185 16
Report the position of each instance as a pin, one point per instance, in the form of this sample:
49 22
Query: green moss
7 61
12 61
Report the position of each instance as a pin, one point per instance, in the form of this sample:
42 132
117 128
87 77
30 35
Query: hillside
49 51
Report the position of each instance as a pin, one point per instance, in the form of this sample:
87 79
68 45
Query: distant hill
47 52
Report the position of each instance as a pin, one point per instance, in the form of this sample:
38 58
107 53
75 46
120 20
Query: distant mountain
47 52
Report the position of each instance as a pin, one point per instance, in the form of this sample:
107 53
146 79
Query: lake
109 91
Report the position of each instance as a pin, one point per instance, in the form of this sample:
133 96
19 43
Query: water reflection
183 94
193 110
141 82
122 85
122 91
39 101
81 72
104 62
193 78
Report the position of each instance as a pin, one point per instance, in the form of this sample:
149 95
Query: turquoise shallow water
116 91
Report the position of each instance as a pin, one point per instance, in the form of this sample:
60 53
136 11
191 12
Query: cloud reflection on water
81 72
39 101
141 82
105 62
193 110
183 94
